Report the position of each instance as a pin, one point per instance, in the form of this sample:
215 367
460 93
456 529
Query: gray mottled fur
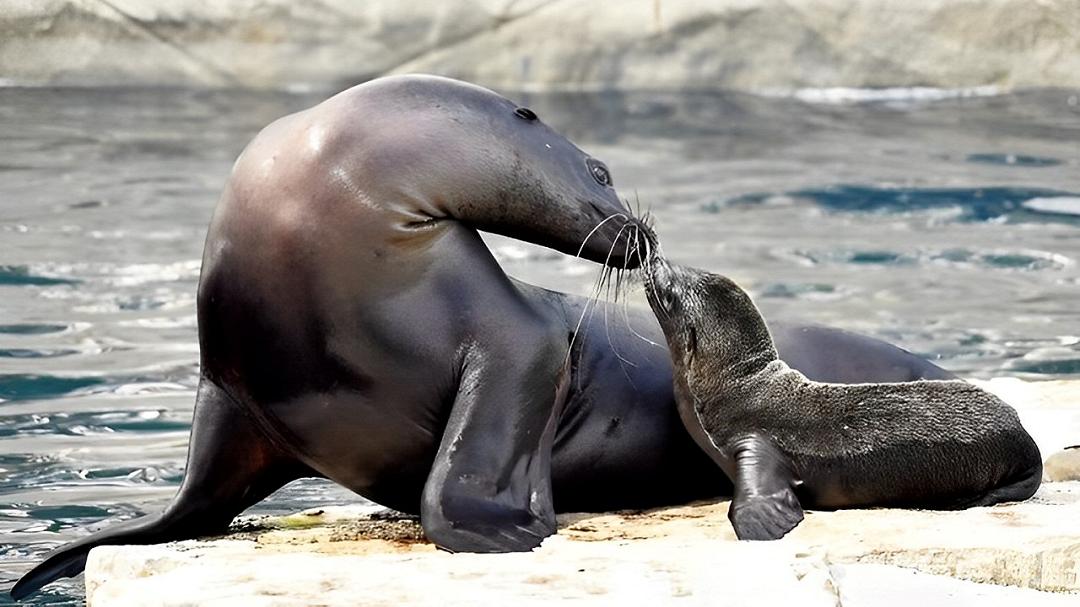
939 444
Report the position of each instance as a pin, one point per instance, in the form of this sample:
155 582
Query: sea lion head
710 323
443 149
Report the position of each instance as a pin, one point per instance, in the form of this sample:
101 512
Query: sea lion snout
668 287
617 237
665 283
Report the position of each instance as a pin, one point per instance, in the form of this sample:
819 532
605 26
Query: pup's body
787 441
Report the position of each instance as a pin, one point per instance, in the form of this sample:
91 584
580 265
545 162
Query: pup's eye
526 114
691 340
667 301
599 172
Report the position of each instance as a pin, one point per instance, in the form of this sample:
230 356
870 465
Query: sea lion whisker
641 262
607 279
626 306
607 260
619 275
623 361
588 311
597 227
630 327
591 302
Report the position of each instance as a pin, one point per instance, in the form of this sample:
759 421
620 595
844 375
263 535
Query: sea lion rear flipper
489 489
230 466
765 506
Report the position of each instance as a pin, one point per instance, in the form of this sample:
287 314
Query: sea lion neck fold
414 151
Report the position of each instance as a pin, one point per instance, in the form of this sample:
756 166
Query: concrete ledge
1026 553
755 45
685 555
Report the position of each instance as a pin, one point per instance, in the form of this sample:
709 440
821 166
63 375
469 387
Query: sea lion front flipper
489 489
765 506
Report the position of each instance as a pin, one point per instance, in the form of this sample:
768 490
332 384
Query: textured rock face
544 44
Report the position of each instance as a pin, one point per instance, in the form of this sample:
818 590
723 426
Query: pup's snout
659 271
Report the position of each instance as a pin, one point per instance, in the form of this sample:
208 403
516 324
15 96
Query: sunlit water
950 227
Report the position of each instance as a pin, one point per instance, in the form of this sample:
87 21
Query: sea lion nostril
526 114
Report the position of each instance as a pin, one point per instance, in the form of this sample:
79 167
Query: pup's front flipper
765 506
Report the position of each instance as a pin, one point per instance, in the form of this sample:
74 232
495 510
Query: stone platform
1015 554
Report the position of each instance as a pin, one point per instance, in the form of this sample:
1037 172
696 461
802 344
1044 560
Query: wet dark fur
934 444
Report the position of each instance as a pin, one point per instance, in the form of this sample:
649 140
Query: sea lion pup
786 441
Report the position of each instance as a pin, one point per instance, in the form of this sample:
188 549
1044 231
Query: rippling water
951 227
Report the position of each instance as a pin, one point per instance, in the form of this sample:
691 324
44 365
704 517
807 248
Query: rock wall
756 45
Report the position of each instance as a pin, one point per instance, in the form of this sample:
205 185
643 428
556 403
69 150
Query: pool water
950 227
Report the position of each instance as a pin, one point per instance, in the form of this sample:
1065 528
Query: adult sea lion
353 325
787 442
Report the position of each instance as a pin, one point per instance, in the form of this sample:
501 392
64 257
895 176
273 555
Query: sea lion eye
526 114
667 301
691 340
603 177
599 172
